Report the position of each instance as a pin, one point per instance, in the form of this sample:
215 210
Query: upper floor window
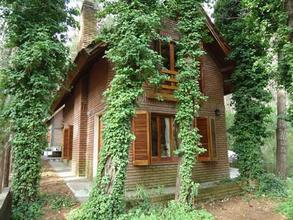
168 52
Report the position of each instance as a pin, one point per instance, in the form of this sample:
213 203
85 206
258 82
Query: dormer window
168 52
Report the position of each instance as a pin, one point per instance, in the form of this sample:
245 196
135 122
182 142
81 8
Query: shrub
286 207
57 202
173 211
271 185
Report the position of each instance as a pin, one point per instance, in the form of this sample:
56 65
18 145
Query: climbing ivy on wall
36 69
135 26
250 79
191 25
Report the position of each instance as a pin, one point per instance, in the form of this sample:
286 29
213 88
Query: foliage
269 148
250 80
37 67
229 116
173 211
57 202
134 28
271 185
31 210
286 207
191 25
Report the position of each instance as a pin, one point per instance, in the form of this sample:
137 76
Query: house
152 161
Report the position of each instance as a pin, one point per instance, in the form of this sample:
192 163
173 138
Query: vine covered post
135 25
37 67
191 25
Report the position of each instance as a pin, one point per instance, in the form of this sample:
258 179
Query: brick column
80 128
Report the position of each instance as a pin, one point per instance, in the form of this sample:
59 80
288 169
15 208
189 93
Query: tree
35 32
189 96
282 138
250 81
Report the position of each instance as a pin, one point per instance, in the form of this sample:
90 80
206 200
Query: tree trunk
1 169
7 165
289 8
282 136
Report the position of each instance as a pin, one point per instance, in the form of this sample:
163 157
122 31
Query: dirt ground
244 208
52 184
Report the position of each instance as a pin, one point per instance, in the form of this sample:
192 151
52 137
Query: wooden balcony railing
167 89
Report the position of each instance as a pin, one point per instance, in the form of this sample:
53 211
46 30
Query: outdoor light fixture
217 112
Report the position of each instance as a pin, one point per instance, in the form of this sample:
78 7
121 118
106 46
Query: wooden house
152 161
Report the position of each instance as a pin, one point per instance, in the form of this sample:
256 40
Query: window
163 138
168 52
207 130
156 138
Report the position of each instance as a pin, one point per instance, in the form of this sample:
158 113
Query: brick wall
87 102
98 81
165 175
80 127
155 175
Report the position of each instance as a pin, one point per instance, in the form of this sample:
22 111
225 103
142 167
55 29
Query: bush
57 202
271 185
30 211
286 207
174 211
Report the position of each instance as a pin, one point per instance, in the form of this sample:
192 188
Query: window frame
173 159
212 141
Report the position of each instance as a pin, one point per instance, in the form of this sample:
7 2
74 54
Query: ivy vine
250 81
135 26
191 25
37 67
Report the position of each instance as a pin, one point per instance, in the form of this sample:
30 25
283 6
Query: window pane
154 137
165 52
175 134
165 137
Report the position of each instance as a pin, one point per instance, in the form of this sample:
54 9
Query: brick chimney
88 24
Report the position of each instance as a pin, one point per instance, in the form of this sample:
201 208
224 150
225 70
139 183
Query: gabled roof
89 55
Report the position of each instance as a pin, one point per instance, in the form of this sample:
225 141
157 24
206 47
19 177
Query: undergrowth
286 207
55 202
146 210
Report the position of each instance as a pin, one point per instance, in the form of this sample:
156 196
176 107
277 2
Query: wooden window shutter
65 143
214 153
70 142
141 144
204 131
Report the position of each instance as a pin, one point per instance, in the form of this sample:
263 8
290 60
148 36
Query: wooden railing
167 89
